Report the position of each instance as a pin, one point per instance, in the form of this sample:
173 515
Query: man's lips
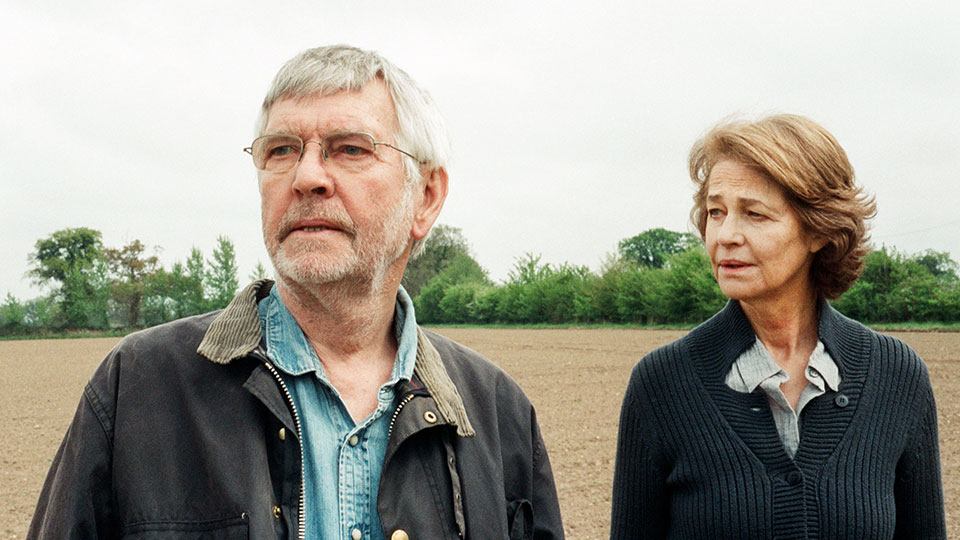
315 225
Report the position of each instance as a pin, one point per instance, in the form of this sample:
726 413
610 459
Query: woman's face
758 247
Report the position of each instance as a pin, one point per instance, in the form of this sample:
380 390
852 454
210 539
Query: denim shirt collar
235 333
291 351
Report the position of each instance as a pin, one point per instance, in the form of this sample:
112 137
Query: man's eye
713 212
351 146
351 150
281 151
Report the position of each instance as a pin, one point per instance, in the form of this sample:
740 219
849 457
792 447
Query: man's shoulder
470 371
458 356
169 338
155 350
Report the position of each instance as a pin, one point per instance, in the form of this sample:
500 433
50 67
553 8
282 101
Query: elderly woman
779 417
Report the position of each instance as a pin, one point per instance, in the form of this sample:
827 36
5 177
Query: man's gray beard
364 267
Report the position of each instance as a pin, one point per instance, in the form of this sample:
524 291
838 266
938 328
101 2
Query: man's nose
311 174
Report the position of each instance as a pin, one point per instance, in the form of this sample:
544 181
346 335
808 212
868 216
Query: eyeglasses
348 151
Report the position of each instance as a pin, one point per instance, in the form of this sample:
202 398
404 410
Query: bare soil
574 377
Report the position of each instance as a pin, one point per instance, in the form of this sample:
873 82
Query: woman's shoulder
883 360
854 338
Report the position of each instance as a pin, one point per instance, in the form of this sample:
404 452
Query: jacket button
399 534
282 434
841 400
431 418
276 511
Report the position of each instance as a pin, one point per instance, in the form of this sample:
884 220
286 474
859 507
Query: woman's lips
733 265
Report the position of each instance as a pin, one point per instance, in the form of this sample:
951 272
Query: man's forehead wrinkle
301 120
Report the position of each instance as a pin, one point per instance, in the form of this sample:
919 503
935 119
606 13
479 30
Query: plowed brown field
574 377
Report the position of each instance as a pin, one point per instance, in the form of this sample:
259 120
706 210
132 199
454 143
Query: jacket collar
235 333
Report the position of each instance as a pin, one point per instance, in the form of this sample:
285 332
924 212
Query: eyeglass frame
323 151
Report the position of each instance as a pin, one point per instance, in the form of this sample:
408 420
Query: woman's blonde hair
813 171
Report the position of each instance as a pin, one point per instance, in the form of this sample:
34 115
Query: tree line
655 277
94 287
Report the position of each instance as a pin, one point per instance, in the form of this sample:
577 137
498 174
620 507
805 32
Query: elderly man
313 407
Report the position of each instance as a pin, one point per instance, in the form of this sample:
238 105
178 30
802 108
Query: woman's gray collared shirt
757 368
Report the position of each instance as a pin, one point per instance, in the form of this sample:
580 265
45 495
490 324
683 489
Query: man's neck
343 322
351 330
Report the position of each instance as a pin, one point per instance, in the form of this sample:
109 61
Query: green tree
444 244
460 269
692 294
259 272
939 265
653 247
13 316
194 298
894 287
222 274
73 259
40 313
129 271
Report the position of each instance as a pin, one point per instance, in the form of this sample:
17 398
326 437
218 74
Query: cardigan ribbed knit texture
698 460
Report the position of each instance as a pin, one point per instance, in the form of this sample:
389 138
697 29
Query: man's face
322 224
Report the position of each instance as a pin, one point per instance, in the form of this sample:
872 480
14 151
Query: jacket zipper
393 420
301 525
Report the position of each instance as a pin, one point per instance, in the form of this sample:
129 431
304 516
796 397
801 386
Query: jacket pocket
221 529
520 519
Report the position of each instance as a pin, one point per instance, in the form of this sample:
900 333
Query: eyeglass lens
347 151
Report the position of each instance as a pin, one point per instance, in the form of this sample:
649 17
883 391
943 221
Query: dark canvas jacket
185 431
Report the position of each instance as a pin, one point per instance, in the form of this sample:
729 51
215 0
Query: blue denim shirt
340 504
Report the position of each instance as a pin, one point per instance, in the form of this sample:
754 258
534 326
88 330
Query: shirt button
399 534
356 534
354 440
276 511
812 373
841 400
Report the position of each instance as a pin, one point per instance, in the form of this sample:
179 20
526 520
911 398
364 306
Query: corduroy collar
235 333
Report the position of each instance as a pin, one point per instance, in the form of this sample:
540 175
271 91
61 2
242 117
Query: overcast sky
570 123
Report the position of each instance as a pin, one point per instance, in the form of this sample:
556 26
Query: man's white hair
341 68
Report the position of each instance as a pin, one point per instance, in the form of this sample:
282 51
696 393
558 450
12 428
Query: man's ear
433 192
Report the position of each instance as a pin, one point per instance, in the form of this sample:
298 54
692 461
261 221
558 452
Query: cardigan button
794 478
841 400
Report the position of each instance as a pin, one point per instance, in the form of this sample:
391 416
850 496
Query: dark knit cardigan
698 460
